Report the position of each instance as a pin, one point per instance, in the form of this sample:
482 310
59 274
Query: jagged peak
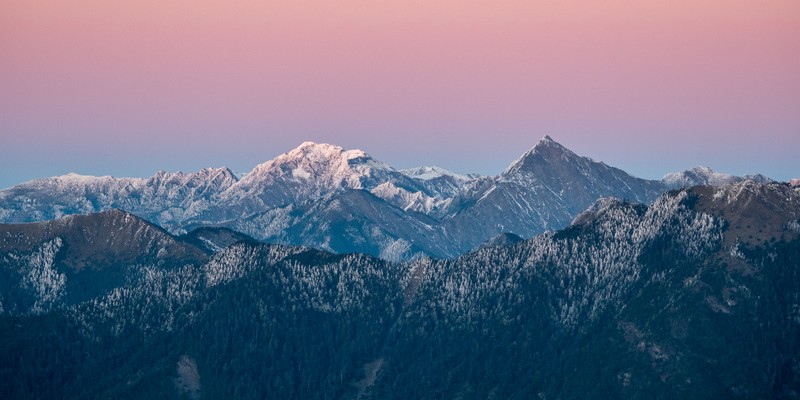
547 144
546 140
546 148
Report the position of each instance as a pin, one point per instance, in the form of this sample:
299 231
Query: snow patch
42 278
396 251
300 173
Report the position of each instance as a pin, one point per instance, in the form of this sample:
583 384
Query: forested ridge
684 298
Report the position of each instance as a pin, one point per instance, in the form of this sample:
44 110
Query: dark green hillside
631 302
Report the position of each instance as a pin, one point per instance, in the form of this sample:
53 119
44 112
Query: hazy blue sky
127 88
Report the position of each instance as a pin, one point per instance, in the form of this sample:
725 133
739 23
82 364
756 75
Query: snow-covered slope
440 182
410 201
166 198
310 171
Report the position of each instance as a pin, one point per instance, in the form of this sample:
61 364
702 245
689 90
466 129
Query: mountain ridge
544 189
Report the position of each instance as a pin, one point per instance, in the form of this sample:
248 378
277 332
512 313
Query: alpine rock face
543 190
694 295
324 196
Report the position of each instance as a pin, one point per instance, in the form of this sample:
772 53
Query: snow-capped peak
315 150
310 171
325 153
427 173
316 161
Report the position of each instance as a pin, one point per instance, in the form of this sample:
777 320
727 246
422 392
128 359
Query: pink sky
102 87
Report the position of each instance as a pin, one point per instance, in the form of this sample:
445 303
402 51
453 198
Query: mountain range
324 196
692 295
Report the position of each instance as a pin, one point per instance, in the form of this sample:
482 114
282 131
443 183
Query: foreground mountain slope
291 322
630 302
48 264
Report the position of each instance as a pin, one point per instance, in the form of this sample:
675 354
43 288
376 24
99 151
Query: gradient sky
130 87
